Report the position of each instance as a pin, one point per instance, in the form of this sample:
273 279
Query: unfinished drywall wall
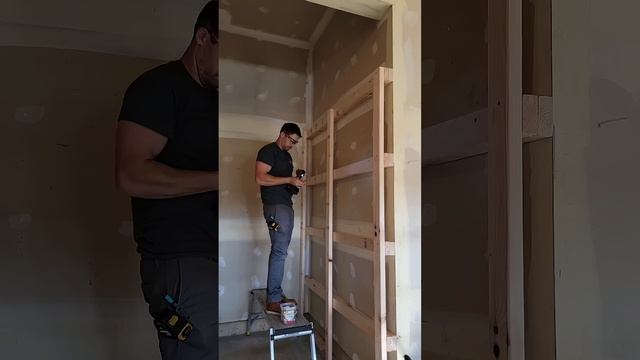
455 304
454 64
596 87
454 224
454 264
292 19
244 238
350 49
262 78
69 266
149 29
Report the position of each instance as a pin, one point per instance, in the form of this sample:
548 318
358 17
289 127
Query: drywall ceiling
153 29
373 9
293 20
264 50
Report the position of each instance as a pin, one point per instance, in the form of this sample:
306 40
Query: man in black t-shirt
274 170
167 161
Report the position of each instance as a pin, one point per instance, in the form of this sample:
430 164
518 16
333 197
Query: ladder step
292 330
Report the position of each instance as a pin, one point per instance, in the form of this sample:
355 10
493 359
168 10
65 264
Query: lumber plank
360 92
506 295
379 278
328 268
304 198
357 168
318 126
467 135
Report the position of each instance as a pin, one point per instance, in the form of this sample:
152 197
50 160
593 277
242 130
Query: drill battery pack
300 174
170 323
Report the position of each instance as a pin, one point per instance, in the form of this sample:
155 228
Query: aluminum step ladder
278 330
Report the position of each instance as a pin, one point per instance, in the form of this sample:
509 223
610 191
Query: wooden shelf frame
372 88
468 135
357 168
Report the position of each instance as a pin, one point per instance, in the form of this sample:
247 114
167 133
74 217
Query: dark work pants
280 240
193 283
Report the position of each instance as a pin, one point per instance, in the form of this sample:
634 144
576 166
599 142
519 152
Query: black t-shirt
281 166
169 101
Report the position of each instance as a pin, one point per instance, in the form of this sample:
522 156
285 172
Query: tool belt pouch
171 324
272 224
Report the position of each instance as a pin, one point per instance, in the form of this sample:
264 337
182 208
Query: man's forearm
155 180
269 180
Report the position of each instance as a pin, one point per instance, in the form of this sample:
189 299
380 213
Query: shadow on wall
103 217
70 250
612 178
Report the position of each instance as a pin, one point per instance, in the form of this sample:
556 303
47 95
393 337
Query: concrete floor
256 346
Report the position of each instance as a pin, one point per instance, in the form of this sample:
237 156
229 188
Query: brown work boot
273 308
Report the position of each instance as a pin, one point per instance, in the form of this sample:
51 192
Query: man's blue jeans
280 239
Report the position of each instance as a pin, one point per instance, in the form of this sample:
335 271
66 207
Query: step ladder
277 330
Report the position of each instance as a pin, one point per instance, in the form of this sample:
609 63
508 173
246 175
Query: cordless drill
300 174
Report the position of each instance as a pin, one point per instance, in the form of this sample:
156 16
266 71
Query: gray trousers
192 282
280 240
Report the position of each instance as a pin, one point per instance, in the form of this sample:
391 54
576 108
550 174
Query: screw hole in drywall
496 350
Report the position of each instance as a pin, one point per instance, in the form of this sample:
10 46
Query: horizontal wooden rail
467 135
357 168
319 126
360 93
360 320
358 111
355 241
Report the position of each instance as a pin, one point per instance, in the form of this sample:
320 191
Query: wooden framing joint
392 343
390 248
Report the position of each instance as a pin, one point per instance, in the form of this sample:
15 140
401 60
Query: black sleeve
149 101
267 156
